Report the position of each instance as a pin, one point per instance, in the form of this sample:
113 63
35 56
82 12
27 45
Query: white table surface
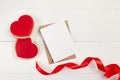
95 28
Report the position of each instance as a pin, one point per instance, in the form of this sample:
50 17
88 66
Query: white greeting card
58 40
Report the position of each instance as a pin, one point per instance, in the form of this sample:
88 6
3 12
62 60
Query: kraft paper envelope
50 58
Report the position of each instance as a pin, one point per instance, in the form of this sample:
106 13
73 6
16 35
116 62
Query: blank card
58 41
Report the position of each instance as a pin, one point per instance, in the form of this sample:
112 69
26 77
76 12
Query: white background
94 25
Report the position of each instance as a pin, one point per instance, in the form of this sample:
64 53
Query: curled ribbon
109 70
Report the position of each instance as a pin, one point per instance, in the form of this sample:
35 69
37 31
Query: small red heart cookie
25 48
23 27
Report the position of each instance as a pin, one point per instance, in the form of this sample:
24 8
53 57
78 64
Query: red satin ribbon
109 70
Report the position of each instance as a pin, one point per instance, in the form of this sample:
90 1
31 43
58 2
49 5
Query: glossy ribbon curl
109 70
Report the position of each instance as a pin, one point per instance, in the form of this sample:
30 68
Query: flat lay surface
94 26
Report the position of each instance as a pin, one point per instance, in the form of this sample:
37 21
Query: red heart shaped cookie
23 27
25 48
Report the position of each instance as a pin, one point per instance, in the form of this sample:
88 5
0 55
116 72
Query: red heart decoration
23 27
25 48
